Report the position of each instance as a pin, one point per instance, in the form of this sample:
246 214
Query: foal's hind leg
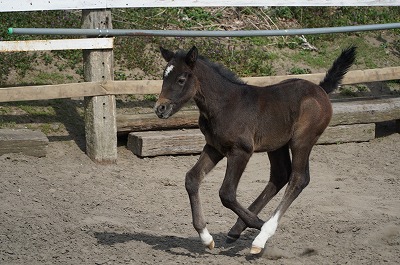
207 161
299 179
279 176
236 163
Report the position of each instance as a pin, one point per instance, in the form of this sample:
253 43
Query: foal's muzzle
163 109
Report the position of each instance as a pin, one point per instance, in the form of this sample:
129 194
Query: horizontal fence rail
198 33
141 87
53 45
12 6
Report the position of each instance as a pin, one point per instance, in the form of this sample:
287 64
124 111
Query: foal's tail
339 68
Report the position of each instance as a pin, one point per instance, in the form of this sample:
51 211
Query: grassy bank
138 57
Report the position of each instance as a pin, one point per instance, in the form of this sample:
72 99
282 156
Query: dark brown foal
237 120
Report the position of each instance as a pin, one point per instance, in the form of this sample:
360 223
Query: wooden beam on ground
100 111
191 141
24 141
348 112
53 45
127 123
365 111
157 143
348 133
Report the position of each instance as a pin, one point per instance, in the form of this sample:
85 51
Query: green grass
150 97
44 78
299 71
313 59
347 92
343 16
30 109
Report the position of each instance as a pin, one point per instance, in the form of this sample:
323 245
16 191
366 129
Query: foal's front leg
207 161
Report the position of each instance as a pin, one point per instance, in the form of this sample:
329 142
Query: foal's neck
214 90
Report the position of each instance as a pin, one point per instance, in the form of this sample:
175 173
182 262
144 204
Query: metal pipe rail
196 33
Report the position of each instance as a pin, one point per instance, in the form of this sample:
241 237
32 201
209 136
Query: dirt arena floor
65 209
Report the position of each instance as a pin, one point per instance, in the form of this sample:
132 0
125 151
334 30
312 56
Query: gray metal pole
195 33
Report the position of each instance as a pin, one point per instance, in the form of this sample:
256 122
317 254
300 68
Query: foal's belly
225 142
270 142
247 136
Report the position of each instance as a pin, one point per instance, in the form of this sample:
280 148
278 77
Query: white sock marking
168 70
205 237
267 230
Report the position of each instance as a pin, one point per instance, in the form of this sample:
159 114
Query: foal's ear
191 56
166 54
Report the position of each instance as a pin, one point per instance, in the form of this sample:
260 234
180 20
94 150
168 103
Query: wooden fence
142 87
99 88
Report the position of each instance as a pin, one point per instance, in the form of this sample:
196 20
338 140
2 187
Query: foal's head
179 84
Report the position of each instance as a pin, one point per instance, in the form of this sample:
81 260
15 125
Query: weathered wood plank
146 122
27 142
140 87
191 141
352 77
100 111
75 90
349 112
55 45
348 133
72 90
365 111
155 143
10 6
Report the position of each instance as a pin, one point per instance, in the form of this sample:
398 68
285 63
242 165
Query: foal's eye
181 80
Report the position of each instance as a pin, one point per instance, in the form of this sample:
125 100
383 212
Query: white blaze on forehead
168 70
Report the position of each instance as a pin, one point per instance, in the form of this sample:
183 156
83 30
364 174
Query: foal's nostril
161 108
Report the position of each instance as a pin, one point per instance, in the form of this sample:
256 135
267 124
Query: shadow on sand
176 245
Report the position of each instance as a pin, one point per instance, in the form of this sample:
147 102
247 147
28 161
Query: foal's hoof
231 239
255 250
211 245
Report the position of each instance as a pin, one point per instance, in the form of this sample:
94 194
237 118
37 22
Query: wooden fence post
100 111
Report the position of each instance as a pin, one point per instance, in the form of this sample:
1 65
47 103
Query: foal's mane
217 67
222 71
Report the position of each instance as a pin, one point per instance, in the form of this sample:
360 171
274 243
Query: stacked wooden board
352 121
24 141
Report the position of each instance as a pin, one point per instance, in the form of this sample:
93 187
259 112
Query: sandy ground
65 209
